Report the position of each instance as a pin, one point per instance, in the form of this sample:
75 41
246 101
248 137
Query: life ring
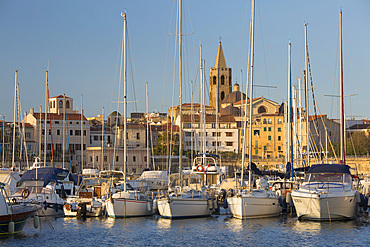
25 193
200 168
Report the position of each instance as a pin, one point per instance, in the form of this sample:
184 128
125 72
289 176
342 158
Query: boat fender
36 221
11 228
45 205
366 203
288 198
25 193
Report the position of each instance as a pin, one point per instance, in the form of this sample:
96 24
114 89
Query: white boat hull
122 207
325 207
184 208
249 206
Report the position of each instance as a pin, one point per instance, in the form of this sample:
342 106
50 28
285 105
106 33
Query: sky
79 43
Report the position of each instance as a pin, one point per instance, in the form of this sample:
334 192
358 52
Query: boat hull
184 208
249 207
19 220
323 207
122 207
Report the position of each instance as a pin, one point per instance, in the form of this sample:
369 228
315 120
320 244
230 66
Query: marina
244 170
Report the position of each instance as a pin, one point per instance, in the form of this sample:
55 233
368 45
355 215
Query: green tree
164 143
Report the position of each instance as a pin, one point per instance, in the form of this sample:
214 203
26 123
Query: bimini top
329 168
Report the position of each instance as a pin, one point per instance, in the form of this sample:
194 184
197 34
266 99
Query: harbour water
221 230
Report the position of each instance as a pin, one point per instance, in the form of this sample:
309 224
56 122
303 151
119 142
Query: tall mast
290 139
342 131
46 118
251 98
2 146
103 143
125 99
64 128
180 78
40 133
306 95
202 119
82 137
14 113
147 127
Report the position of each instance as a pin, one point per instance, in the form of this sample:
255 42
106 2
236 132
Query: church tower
219 80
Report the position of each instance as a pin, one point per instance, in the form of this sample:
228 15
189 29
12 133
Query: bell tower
219 80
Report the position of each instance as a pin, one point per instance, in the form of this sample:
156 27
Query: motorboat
206 165
327 193
156 180
14 215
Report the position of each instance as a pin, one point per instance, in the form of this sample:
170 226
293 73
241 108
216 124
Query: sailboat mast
14 113
342 131
306 96
46 118
64 128
82 137
180 78
251 98
290 112
125 100
147 127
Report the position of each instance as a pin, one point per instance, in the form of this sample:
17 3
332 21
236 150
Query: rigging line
165 67
241 34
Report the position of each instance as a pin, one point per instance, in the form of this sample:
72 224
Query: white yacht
327 193
206 166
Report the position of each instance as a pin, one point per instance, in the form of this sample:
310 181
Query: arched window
67 104
269 121
279 120
214 80
60 104
262 109
222 80
222 95
264 121
54 104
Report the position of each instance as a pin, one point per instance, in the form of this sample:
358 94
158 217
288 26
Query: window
188 134
264 121
269 121
134 158
67 104
78 146
56 122
58 132
269 128
229 134
60 104
97 158
256 144
144 158
264 148
28 135
264 128
77 132
229 144
279 148
96 138
214 80
279 138
49 132
256 133
222 95
117 158
279 121
222 80
269 138
91 158
279 129
71 132
84 132
262 109
138 136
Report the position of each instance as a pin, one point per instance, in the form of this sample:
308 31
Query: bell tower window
214 80
222 80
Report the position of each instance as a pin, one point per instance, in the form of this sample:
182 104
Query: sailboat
249 202
185 202
327 192
127 203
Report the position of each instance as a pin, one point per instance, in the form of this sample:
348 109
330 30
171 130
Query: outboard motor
222 195
81 211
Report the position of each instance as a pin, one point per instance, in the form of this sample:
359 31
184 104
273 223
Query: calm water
213 231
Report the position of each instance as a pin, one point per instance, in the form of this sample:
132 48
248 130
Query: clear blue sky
80 40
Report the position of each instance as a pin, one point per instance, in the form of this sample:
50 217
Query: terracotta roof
238 103
360 127
55 116
60 96
314 117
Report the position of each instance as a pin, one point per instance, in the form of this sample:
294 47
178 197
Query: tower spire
220 59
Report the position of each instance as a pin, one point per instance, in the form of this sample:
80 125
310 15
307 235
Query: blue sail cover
329 168
48 174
